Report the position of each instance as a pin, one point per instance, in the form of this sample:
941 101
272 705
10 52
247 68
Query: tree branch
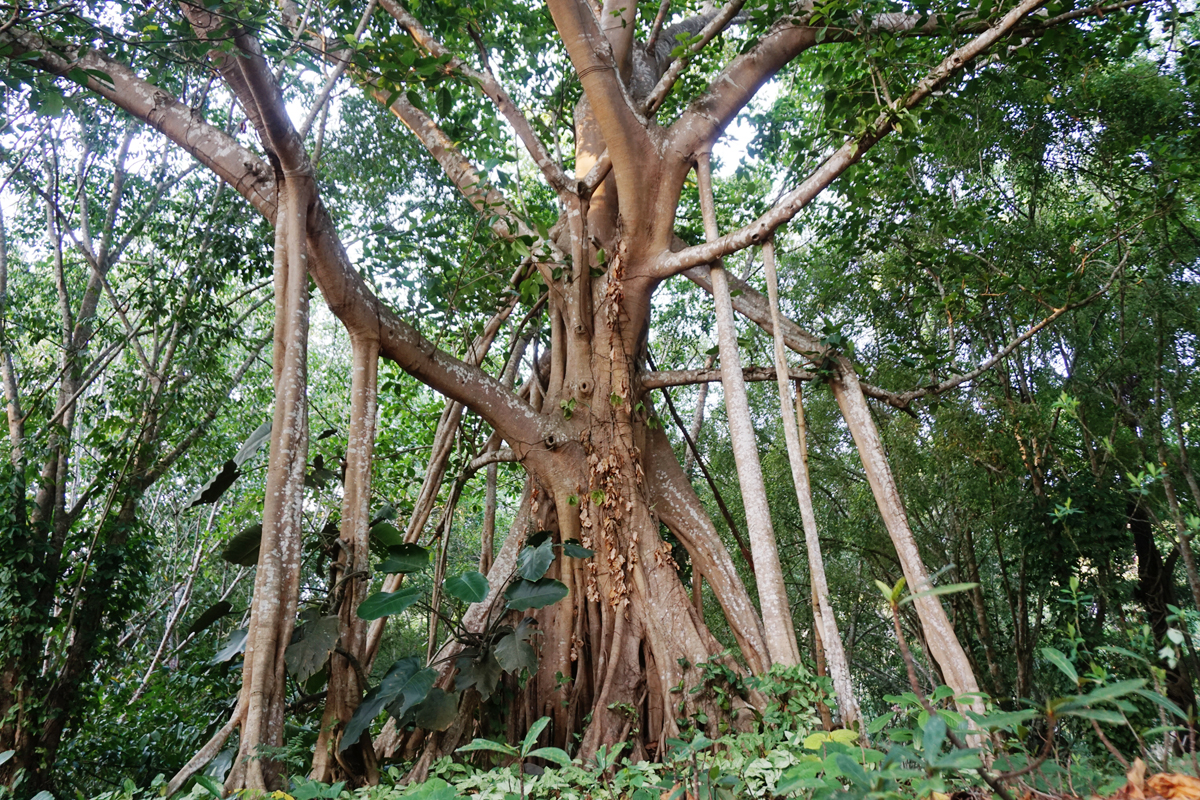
345 292
688 377
837 163
488 84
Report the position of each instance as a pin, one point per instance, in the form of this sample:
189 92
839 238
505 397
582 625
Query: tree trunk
794 431
768 572
944 646
351 581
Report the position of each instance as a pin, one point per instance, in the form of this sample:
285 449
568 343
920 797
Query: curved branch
345 292
687 377
624 133
717 24
488 84
842 159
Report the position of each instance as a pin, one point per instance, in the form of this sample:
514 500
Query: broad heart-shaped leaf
389 689
387 534
305 657
513 654
437 711
211 492
483 674
208 617
532 562
535 730
253 443
574 549
523 595
235 644
386 604
1059 660
414 689
405 558
470 587
242 549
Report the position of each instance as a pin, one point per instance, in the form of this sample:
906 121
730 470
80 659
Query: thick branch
625 135
687 377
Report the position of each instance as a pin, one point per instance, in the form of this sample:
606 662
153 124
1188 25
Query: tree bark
768 572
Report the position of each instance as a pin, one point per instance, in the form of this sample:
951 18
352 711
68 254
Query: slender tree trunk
944 646
794 431
356 764
768 572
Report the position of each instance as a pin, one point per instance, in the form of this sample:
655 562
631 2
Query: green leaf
252 444
405 680
523 595
483 673
937 591
411 687
210 786
1157 698
532 562
513 654
387 534
437 711
1059 660
487 745
306 656
1005 719
531 737
553 755
211 492
933 736
242 549
470 587
433 789
881 722
1114 690
210 615
1098 714
574 549
386 604
235 644
405 559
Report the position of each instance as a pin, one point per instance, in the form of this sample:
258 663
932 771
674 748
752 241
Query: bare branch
628 141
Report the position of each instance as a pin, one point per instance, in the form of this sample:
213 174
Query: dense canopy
389 381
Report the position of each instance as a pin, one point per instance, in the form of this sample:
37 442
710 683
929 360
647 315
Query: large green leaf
470 587
513 654
532 562
387 534
1059 660
483 673
242 549
211 492
210 615
393 686
234 645
523 595
252 444
413 683
437 711
386 604
574 549
405 558
307 655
